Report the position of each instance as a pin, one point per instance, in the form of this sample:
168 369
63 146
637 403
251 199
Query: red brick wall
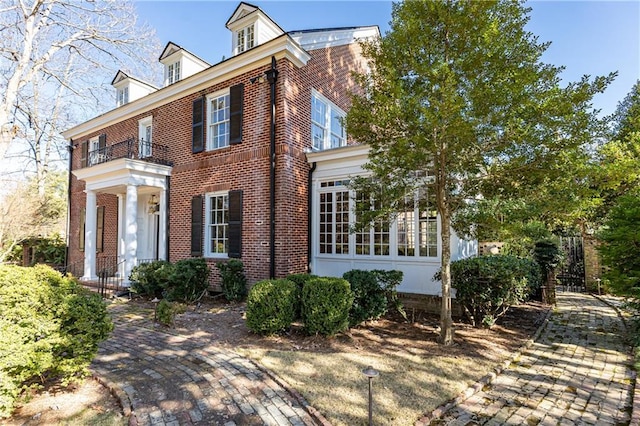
244 166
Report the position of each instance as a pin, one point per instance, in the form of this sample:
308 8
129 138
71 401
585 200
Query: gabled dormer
179 63
128 89
251 27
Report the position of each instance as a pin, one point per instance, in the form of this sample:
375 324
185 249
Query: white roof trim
281 47
311 40
338 154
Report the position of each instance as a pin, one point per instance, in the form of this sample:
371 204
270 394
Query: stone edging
635 403
315 414
484 381
120 395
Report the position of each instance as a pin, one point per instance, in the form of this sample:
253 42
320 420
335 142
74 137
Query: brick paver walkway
577 372
183 380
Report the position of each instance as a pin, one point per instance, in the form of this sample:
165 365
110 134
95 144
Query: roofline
320 30
162 56
282 46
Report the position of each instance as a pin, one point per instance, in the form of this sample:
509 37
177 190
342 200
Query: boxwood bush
325 305
50 327
272 306
188 281
233 280
487 286
369 298
150 279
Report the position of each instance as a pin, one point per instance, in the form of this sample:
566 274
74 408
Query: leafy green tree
620 249
457 103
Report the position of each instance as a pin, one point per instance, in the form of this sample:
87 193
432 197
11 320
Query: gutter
272 78
310 214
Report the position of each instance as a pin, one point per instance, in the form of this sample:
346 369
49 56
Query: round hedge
271 306
325 305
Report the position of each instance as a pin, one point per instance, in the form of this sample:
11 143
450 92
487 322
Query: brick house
247 158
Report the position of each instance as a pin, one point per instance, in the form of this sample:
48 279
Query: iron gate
572 275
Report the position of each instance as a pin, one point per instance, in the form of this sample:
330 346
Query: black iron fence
132 148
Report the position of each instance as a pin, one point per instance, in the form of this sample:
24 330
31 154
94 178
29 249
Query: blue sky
588 37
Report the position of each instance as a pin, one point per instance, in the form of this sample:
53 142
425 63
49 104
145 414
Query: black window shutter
196 226
100 230
197 128
235 224
85 154
236 94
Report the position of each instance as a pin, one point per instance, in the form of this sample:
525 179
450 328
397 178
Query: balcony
133 148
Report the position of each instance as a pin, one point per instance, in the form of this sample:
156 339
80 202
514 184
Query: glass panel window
327 123
245 39
218 131
173 72
123 96
334 219
217 225
417 227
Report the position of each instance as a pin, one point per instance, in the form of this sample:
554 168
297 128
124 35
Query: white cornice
343 153
281 47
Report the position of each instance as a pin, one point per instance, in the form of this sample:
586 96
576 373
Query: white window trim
207 225
122 96
171 76
142 132
242 46
329 110
393 232
208 122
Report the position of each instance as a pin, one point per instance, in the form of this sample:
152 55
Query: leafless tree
57 58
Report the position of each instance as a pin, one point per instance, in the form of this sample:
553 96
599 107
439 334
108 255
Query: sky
587 37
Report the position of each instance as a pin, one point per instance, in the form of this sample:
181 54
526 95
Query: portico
142 191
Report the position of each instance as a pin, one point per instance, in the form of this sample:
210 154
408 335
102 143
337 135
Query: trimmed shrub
189 280
388 281
369 298
150 279
300 279
325 305
272 306
50 327
487 286
234 283
166 311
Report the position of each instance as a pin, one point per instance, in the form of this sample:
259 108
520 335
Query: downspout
272 77
70 148
310 214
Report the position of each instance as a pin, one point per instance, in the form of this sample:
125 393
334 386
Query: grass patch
408 386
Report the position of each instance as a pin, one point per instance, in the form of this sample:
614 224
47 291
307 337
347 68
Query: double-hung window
173 73
218 114
245 39
122 96
327 123
217 224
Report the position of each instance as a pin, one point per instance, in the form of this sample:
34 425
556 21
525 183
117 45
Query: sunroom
409 243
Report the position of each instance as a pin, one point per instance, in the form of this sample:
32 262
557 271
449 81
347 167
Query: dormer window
122 96
245 39
173 73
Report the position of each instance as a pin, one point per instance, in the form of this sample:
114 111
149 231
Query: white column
121 225
162 234
130 231
90 225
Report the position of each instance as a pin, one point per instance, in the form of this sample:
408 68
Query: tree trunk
446 323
